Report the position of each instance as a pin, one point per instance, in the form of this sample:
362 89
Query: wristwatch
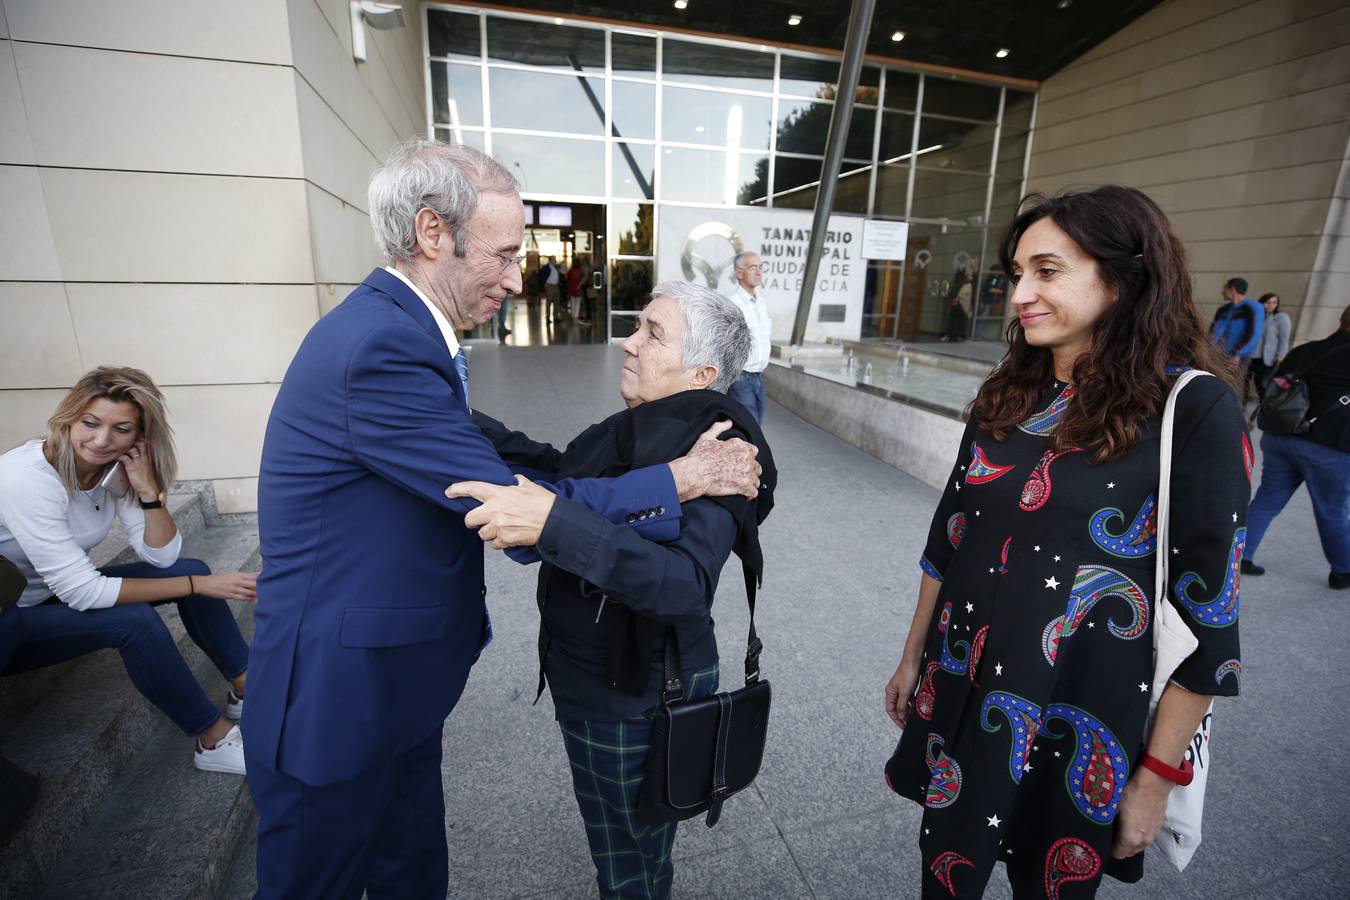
1181 776
153 504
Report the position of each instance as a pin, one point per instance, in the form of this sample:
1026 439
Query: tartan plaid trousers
609 759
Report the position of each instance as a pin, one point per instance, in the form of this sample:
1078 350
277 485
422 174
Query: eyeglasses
506 261
752 268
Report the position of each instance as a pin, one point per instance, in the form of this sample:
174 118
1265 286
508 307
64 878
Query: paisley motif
1003 557
981 470
949 661
1024 716
1222 611
976 651
956 529
1091 584
1069 859
1047 420
926 696
945 785
1097 773
1228 667
1139 540
1036 492
944 864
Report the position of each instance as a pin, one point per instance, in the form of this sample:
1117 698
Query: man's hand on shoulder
509 516
717 468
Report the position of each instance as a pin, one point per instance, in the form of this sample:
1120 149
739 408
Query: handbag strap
673 684
1161 553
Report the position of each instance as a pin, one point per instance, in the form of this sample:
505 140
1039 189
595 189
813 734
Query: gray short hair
738 261
444 178
715 332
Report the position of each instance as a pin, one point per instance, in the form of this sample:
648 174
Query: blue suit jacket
371 599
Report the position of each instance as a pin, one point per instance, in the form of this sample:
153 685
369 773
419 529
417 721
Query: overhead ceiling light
1064 4
898 36
681 4
699 128
794 19
1002 53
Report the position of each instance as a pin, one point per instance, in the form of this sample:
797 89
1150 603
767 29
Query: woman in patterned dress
1024 683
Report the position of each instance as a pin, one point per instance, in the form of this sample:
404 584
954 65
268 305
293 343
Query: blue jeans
52 633
749 392
1288 463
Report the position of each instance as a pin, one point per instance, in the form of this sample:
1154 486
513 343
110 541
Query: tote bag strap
1165 495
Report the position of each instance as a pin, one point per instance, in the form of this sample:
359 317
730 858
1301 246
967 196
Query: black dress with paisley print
1033 691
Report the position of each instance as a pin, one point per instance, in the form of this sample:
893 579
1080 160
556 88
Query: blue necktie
462 367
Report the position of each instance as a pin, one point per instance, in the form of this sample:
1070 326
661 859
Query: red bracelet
1181 776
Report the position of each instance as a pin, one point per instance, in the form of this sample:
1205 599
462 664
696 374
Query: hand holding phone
140 470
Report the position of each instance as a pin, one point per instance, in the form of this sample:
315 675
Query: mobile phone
116 481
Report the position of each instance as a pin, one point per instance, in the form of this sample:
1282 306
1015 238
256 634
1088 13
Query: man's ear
703 377
432 237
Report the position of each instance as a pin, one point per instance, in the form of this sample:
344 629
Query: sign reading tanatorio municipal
699 243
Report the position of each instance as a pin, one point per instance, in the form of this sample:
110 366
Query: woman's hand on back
228 586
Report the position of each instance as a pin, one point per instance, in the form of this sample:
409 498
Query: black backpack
1285 402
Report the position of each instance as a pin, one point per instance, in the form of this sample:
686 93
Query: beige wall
184 191
1235 116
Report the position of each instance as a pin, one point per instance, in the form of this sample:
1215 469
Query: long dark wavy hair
1121 381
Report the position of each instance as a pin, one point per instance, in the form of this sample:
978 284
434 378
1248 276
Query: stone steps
123 812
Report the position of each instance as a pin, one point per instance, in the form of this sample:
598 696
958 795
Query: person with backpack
1312 448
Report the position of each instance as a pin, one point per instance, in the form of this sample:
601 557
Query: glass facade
633 119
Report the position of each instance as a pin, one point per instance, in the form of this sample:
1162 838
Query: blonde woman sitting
108 454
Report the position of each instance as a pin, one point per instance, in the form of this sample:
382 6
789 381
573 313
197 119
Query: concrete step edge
67 804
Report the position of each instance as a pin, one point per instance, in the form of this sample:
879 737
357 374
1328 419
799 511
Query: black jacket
606 595
1325 367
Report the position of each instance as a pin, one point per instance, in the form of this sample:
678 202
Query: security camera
384 16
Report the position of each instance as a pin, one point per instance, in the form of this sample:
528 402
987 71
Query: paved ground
839 593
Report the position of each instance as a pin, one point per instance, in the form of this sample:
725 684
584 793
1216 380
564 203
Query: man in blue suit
371 599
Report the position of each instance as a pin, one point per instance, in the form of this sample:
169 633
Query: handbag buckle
674 690
752 653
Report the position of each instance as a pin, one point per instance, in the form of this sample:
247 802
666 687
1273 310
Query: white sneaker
226 756
234 706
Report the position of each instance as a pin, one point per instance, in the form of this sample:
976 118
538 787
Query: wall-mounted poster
699 243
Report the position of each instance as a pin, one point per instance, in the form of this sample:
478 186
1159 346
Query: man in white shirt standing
749 388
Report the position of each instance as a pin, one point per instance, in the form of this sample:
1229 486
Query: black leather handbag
704 751
1285 405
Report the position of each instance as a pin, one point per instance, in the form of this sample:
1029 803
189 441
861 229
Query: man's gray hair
738 261
444 178
715 332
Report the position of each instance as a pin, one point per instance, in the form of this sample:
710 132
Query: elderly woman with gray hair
608 598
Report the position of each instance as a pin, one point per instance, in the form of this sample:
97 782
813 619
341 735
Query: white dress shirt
447 332
756 312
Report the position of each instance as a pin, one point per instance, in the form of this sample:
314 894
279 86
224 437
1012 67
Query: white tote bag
1173 642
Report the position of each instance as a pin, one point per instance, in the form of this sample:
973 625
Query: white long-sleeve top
47 533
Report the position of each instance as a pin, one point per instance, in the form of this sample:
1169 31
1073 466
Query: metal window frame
778 99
